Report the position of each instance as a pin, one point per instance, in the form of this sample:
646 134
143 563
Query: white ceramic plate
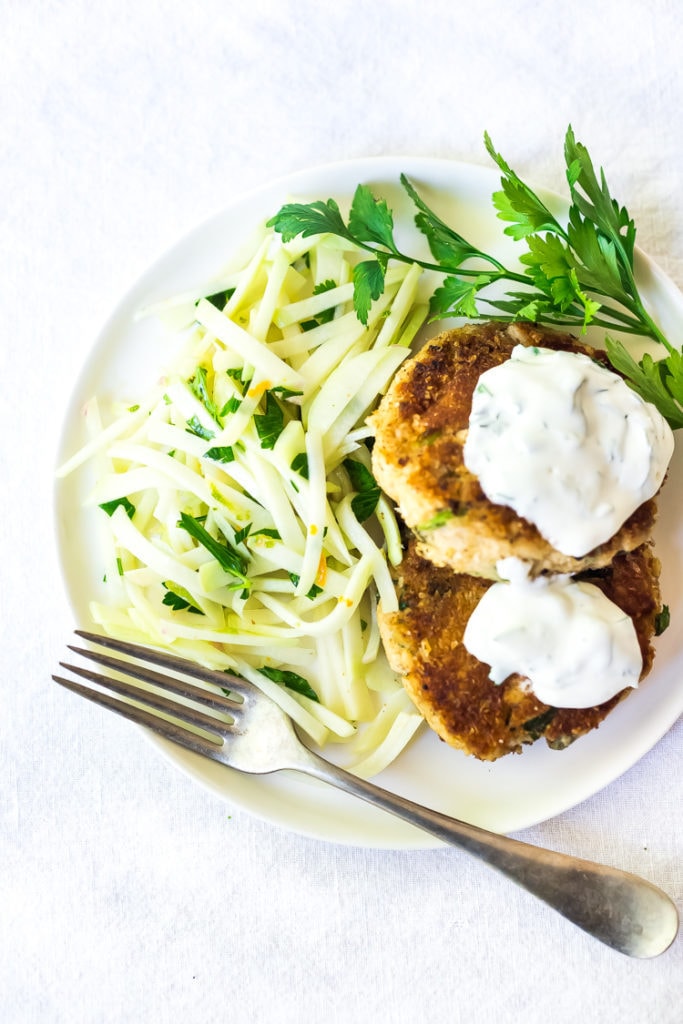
511 794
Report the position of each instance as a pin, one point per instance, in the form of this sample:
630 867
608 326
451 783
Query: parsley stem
576 321
633 320
504 273
650 328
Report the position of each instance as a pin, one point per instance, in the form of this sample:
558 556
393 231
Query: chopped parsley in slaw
245 528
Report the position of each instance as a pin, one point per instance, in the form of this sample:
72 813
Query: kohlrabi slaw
244 527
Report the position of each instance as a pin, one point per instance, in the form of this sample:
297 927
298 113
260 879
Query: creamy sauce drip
567 444
575 646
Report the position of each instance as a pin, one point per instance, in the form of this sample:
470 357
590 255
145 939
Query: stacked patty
455 537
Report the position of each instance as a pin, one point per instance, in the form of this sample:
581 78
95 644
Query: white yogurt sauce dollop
573 644
567 444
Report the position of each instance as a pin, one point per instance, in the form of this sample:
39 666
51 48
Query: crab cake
420 430
451 688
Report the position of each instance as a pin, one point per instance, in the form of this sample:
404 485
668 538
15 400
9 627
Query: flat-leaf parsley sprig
370 227
572 274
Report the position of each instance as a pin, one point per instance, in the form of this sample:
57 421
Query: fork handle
623 911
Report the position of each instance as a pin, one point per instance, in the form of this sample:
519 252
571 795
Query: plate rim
406 836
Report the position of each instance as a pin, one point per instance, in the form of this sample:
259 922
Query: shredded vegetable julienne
245 528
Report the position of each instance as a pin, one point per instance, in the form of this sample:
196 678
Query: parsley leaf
110 506
300 464
362 481
457 296
368 285
232 405
592 197
517 203
178 599
195 426
237 374
598 268
324 317
371 220
225 554
657 381
535 727
447 247
241 535
292 680
309 219
549 261
662 620
221 453
283 392
269 424
220 299
200 388
438 520
314 589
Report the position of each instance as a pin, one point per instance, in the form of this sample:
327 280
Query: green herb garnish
325 315
221 453
241 535
225 554
314 590
535 727
300 464
282 392
232 405
292 680
268 532
370 225
220 299
195 426
269 424
662 620
573 274
200 388
110 506
443 516
365 501
178 599
237 374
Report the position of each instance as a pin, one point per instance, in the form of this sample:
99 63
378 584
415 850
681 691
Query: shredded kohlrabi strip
245 528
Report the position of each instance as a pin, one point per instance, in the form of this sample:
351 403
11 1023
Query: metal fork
619 909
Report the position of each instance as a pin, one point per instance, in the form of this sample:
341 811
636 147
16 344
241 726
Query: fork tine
219 702
191 715
171 662
157 700
169 730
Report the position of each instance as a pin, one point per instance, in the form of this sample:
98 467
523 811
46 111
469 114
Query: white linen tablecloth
127 893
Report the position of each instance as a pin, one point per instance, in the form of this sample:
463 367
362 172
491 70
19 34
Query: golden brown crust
451 688
420 429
